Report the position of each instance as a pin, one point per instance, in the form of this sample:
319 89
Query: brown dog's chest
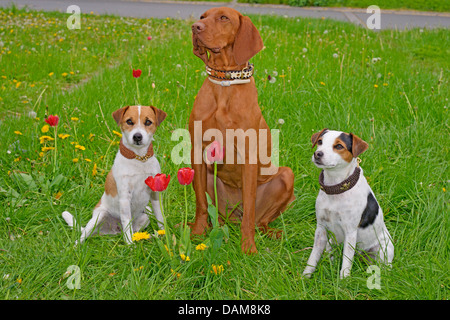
228 108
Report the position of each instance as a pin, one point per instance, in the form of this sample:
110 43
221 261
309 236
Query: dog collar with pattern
127 153
245 73
345 185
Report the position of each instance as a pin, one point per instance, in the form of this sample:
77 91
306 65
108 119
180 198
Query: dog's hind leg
97 217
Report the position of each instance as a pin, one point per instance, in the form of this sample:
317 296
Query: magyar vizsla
225 40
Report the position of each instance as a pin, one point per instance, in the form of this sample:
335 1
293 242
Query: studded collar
345 185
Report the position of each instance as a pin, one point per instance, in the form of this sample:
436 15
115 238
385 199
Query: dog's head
138 124
223 27
336 149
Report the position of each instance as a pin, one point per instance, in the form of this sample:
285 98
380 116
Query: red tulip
158 182
185 176
215 152
137 73
52 120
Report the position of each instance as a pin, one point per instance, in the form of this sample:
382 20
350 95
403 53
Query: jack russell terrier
346 205
125 200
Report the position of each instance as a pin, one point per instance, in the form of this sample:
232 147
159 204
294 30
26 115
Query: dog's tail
70 220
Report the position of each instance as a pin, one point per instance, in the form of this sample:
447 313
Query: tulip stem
166 229
137 90
54 151
215 193
186 206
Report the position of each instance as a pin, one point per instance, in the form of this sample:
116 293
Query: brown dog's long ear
199 51
358 145
160 115
118 114
315 137
248 42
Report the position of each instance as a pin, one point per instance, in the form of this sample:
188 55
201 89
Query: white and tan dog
125 200
346 205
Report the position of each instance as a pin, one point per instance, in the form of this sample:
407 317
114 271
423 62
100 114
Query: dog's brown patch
345 151
110 185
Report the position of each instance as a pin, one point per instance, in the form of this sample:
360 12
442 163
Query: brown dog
225 40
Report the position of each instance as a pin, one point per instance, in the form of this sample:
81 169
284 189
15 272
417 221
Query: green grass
423 5
398 104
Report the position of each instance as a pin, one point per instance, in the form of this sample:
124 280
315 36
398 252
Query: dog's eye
319 142
129 122
223 18
202 17
339 146
148 123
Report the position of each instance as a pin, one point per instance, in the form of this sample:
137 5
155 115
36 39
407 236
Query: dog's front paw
344 273
308 272
249 247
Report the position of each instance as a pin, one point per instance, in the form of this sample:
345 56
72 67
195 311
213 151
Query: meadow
390 88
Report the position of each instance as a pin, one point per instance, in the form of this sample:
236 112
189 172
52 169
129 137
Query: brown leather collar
127 153
245 73
345 185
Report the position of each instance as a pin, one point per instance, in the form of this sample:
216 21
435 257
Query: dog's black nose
137 137
318 154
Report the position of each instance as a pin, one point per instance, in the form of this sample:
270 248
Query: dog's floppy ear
199 51
247 42
118 114
160 115
315 137
358 145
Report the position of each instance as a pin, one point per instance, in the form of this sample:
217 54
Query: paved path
390 19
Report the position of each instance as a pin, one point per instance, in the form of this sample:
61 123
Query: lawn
422 5
390 88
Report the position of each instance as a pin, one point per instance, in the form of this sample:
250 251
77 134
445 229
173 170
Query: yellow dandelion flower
45 138
79 147
385 84
137 236
88 160
75 160
184 257
161 232
41 154
45 128
51 74
117 133
375 86
443 189
94 170
74 119
18 84
201 247
177 274
63 135
18 133
64 74
322 83
217 269
72 73
45 149
17 159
